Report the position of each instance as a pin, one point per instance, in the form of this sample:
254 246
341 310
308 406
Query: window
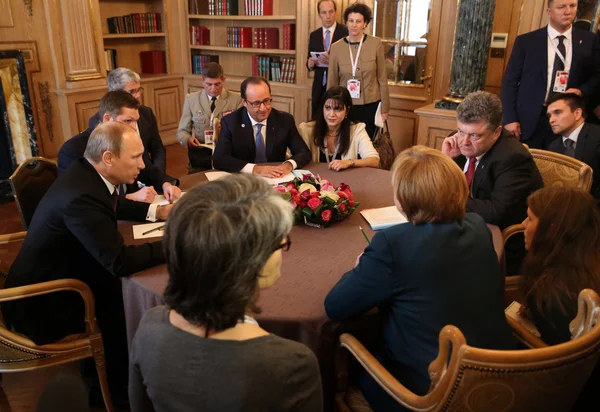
403 26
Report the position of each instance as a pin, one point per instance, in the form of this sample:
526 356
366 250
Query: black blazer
505 176
155 154
315 44
236 147
73 234
587 150
74 148
422 278
526 76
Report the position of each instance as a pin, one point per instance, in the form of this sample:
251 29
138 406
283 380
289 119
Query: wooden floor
20 392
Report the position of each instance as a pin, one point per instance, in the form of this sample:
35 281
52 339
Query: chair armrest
385 379
12 237
512 230
44 288
523 335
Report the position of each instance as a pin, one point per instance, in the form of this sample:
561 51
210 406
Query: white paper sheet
383 217
139 230
216 175
161 200
378 117
316 56
513 311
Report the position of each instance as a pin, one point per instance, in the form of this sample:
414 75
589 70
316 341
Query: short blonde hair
429 186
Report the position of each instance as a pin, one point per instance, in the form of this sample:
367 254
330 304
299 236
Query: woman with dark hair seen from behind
223 243
440 268
562 237
334 138
357 62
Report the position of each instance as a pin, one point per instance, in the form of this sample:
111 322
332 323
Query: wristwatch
352 163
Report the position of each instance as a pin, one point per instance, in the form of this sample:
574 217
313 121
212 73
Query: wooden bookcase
237 62
129 45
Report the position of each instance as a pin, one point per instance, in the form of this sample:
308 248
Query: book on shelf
200 60
383 217
265 38
198 7
239 37
258 7
199 35
135 23
110 57
275 68
223 7
153 62
289 36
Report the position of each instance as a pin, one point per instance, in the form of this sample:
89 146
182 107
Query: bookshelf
238 62
139 33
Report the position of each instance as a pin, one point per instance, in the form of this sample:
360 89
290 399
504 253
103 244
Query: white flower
332 195
307 186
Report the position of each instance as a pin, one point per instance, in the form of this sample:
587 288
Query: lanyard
352 60
337 147
558 53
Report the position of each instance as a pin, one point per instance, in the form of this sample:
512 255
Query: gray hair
121 76
478 106
218 239
106 137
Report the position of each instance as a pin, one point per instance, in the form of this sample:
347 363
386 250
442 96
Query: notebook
383 217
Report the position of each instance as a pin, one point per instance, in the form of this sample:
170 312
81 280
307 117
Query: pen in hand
153 230
364 234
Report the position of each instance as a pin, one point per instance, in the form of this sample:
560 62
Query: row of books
110 57
257 37
223 7
289 36
153 62
275 68
259 7
200 60
199 35
135 23
230 7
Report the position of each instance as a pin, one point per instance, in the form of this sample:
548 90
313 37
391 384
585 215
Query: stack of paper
274 181
383 217
161 200
148 230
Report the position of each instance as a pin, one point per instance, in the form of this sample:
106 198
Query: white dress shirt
552 47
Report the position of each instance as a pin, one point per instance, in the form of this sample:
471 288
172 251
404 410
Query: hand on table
145 194
338 165
450 146
162 212
171 192
268 171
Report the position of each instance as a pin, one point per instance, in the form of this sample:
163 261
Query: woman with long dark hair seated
204 351
562 237
440 268
334 138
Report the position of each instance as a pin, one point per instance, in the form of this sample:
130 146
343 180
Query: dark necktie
559 65
569 147
471 170
213 104
115 198
261 153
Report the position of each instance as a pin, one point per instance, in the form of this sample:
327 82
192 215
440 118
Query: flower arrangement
316 201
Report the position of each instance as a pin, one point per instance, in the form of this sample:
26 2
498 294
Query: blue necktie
327 44
261 154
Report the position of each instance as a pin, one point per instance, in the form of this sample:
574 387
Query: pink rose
342 207
315 194
326 215
350 202
302 204
305 195
280 189
294 191
314 203
345 187
290 186
342 194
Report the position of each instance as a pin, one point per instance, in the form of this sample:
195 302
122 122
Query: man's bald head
107 136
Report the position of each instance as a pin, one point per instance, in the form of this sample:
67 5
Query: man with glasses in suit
257 133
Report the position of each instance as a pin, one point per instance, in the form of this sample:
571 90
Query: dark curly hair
217 241
359 8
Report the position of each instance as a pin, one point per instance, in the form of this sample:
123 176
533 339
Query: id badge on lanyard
562 76
353 84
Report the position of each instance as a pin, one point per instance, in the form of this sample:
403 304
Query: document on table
141 231
273 181
383 217
216 175
161 200
513 311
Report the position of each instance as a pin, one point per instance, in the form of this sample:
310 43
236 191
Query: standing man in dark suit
129 81
122 107
578 138
320 41
558 58
73 234
257 133
500 171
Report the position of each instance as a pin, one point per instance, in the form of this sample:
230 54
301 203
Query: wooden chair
560 170
18 353
10 244
464 378
30 182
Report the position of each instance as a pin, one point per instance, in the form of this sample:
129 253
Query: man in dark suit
558 58
500 171
73 234
122 107
257 133
129 81
320 41
578 138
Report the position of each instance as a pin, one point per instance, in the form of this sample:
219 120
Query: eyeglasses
135 91
284 246
256 105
